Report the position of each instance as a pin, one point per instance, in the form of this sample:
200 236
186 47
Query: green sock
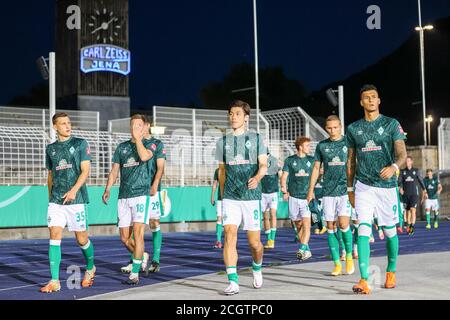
273 233
88 253
400 219
268 234
436 217
428 217
256 266
54 256
136 265
348 243
218 232
364 256
333 244
157 243
232 274
339 236
392 253
304 247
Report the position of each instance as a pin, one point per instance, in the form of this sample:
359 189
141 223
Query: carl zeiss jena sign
104 57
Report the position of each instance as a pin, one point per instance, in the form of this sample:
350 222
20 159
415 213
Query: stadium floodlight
42 65
47 67
337 101
421 30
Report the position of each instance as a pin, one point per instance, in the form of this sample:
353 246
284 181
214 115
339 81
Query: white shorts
219 208
249 212
334 207
432 204
382 203
298 209
74 216
133 210
156 203
269 201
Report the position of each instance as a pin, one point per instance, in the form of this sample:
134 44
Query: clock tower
93 62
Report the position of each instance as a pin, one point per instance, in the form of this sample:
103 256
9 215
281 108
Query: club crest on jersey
336 162
63 165
302 173
72 150
345 149
308 164
227 147
248 144
414 172
381 131
295 163
371 146
131 162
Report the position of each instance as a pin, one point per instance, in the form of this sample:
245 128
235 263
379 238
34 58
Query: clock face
104 25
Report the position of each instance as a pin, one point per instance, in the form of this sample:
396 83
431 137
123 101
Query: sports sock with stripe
88 253
232 274
348 243
333 244
273 233
392 248
54 256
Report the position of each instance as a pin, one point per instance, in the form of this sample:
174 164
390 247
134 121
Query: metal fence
34 117
190 141
444 144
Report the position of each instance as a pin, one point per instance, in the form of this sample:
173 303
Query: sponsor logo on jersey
431 186
131 162
381 131
302 173
371 146
336 162
227 147
409 179
359 132
238 162
327 150
63 165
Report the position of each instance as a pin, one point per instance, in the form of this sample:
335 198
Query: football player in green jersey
218 204
434 189
332 153
270 189
132 159
242 158
297 168
376 149
159 199
68 164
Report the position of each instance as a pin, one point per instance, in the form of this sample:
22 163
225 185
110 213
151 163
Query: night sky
180 46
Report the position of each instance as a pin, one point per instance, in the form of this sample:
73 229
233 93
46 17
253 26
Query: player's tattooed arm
400 154
222 177
351 171
313 180
111 181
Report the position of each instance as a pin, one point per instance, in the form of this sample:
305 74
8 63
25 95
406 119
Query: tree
276 90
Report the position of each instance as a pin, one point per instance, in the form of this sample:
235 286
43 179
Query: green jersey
318 189
431 185
216 178
333 155
159 152
64 160
299 170
374 145
240 156
134 173
270 181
